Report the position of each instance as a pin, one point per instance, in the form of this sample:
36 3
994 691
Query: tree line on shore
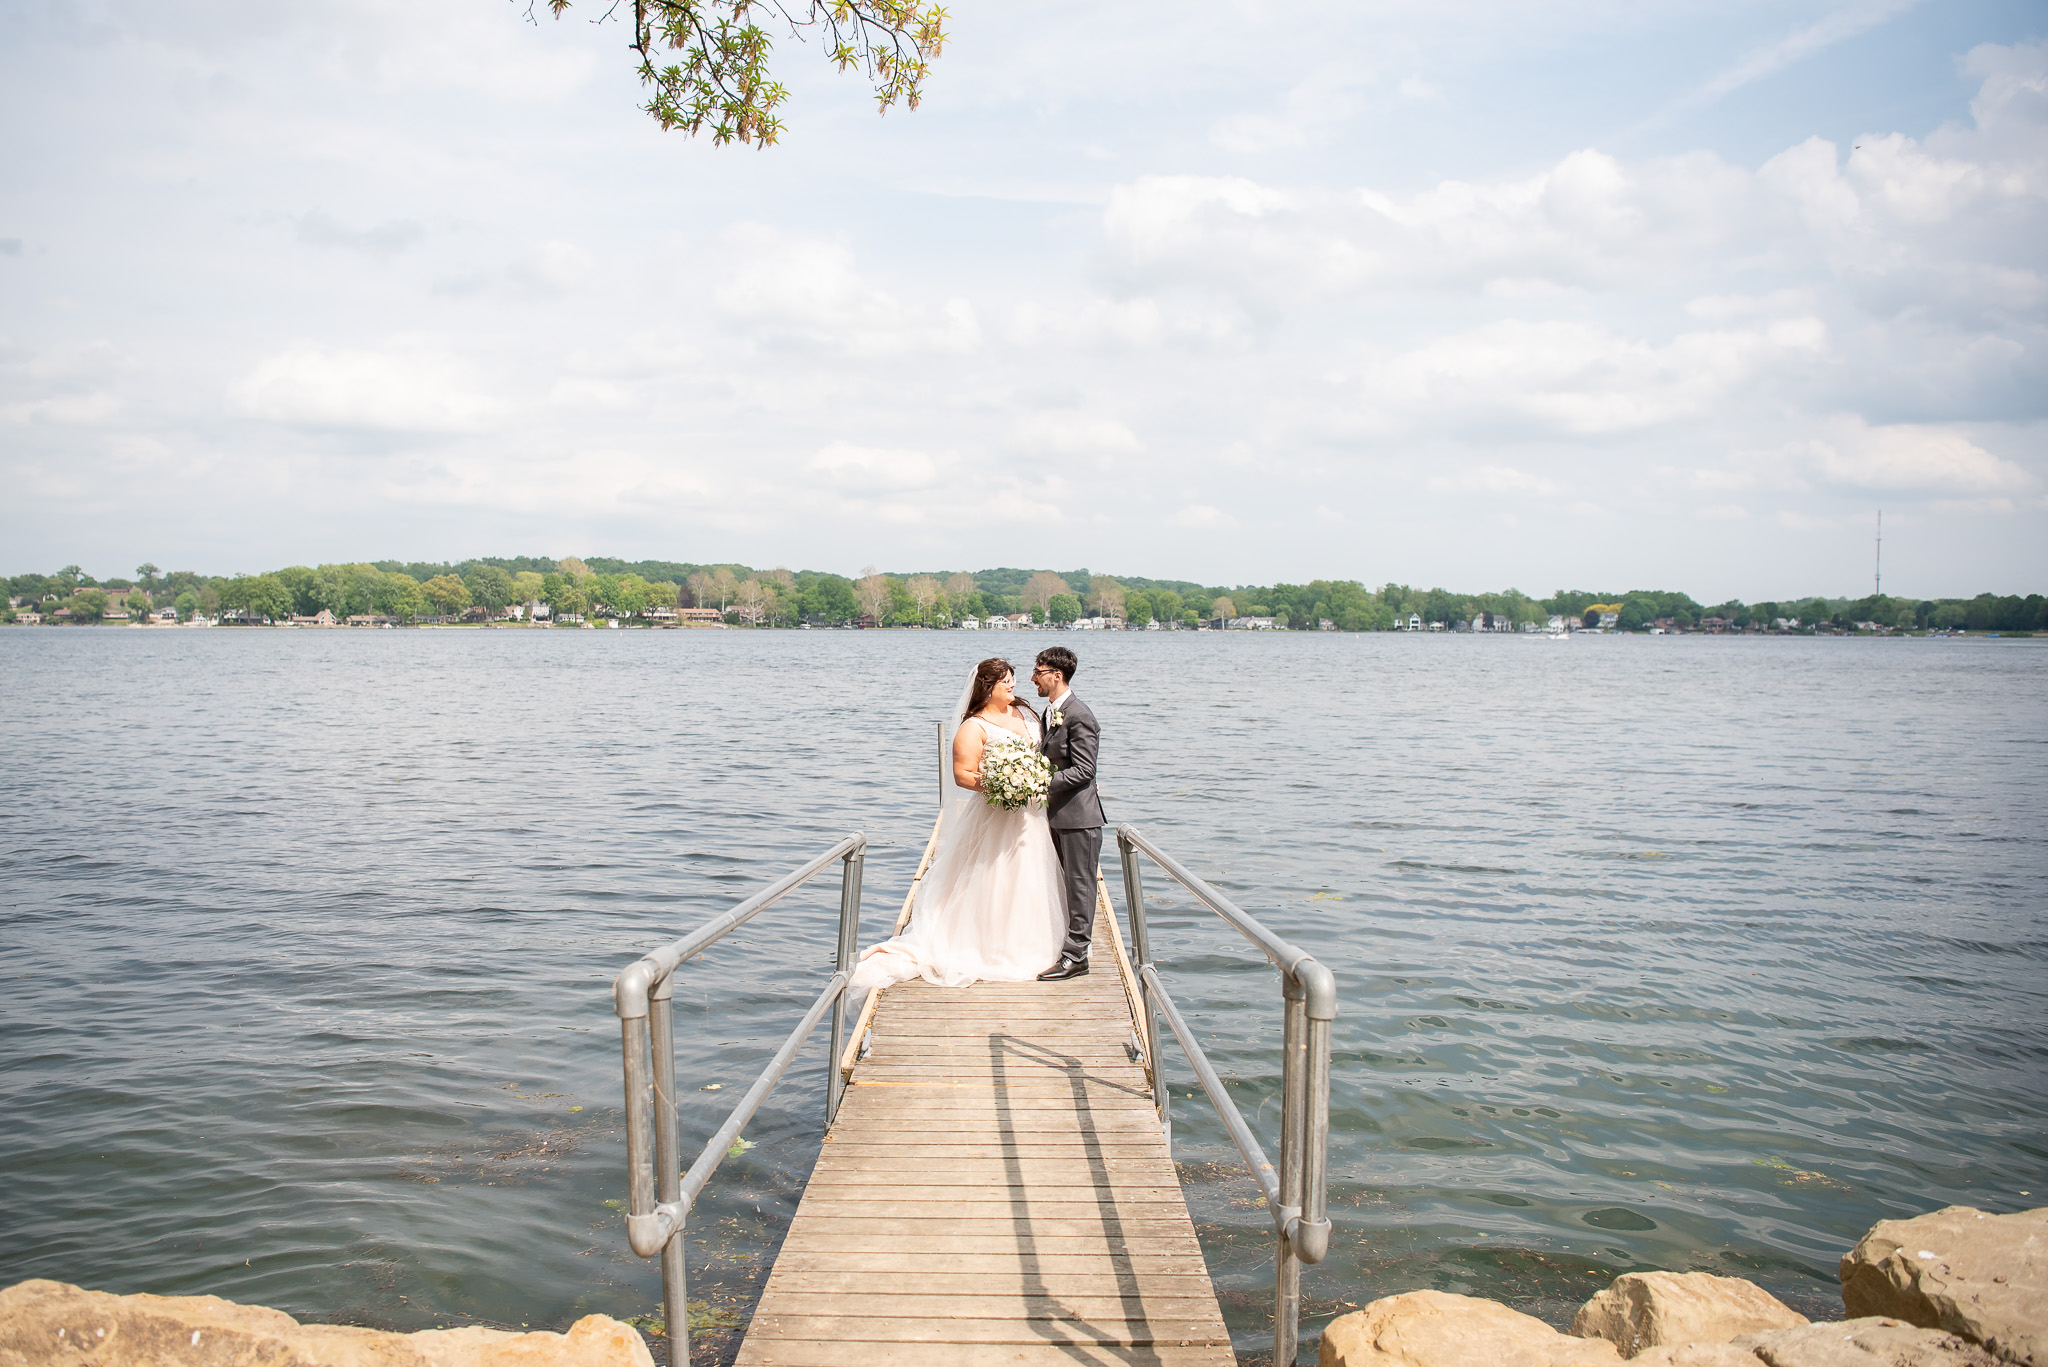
598 588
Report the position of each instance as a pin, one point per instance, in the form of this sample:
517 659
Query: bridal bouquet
1013 772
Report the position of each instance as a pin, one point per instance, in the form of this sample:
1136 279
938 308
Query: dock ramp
996 1184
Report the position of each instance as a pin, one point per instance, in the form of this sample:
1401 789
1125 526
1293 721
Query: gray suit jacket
1072 803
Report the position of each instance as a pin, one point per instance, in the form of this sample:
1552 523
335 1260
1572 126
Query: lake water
1675 952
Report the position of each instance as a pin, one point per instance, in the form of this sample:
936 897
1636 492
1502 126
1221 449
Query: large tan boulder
1696 1355
1641 1310
1439 1329
1982 1276
1875 1341
44 1322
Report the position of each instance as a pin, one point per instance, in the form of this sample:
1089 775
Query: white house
1414 621
971 623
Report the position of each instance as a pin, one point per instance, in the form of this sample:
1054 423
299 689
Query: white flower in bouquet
1014 772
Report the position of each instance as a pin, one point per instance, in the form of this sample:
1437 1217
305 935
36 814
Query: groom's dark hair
1060 658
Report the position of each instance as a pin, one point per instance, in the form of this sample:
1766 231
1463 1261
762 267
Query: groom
1072 804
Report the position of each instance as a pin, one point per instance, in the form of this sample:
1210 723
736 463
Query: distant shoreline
1900 635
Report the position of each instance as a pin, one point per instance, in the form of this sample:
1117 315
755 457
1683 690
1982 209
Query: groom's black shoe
1066 968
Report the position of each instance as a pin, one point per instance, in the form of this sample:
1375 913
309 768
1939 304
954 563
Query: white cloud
1502 480
409 385
382 241
1308 115
75 409
1075 434
78 385
1588 222
1202 516
1723 308
552 268
844 465
1912 456
1974 507
795 290
1773 57
1098 324
471 51
1577 377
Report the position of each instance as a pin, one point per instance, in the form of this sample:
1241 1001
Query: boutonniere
1058 718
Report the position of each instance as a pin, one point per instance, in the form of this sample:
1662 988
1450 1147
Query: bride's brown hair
987 675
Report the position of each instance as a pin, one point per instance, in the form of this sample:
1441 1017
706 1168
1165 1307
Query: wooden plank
1126 976
999 1262
1095 1008
965 1329
967 1075
1029 1172
1107 1146
1153 1286
982 1305
1004 1228
987 1205
774 1352
1024 1245
1039 1127
970 1146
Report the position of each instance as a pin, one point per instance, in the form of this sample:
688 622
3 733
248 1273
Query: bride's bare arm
968 742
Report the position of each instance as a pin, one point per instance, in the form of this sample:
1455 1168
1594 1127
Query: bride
990 906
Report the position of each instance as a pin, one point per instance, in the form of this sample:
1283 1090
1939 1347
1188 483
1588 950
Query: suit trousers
1080 855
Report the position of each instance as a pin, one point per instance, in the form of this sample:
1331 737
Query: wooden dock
995 1190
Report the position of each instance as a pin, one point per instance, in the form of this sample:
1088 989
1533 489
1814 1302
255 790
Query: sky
1484 293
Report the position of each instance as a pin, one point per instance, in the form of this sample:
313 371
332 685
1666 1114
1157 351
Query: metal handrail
659 1193
1297 1196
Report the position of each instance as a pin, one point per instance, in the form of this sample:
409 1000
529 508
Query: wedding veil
953 720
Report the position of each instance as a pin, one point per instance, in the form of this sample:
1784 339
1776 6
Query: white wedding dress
991 906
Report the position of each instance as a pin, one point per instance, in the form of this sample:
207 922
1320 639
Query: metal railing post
1296 1194
668 1166
849 943
1141 955
659 1193
1293 1116
639 1099
1312 1234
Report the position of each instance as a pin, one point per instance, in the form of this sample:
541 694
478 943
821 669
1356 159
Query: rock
1982 1276
1438 1329
44 1322
1875 1341
1645 1309
1696 1355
